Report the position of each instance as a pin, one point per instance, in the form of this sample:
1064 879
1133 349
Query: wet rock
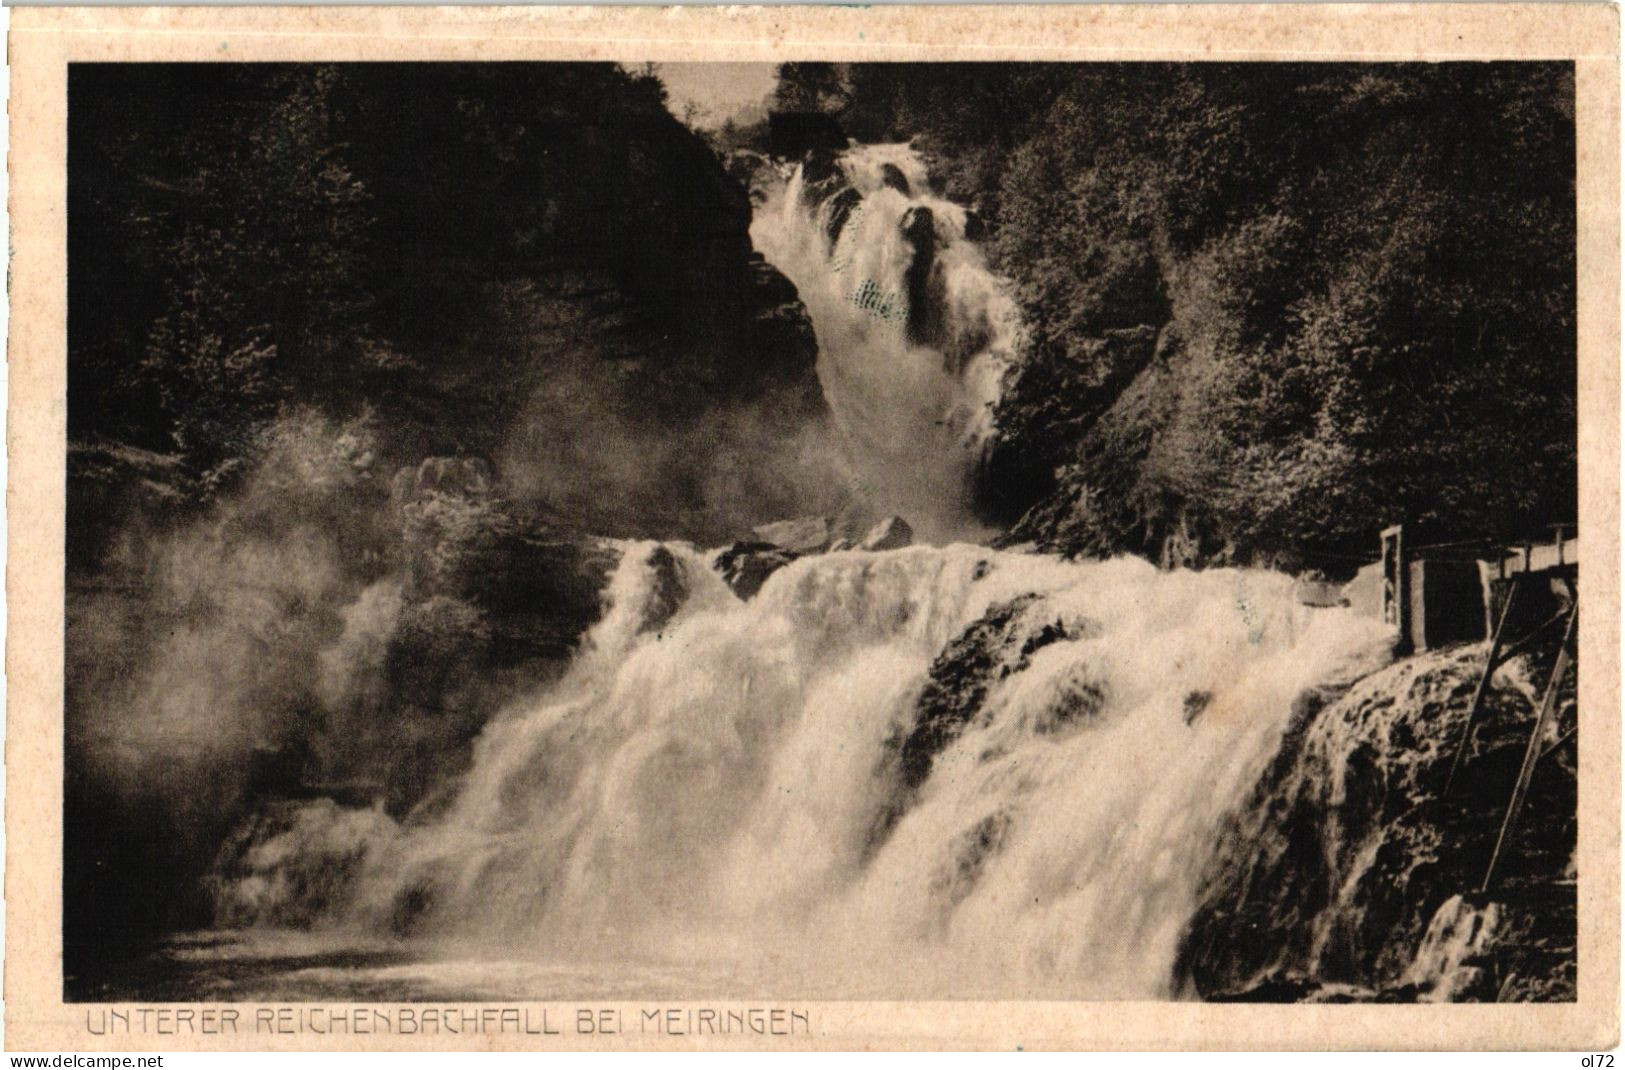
1450 963
1313 589
542 592
892 177
804 535
919 229
1285 987
840 210
925 326
771 288
892 533
668 593
1079 700
466 476
840 544
970 856
1051 632
410 906
1195 704
975 226
821 175
1031 468
1344 871
993 648
781 338
1456 962
745 566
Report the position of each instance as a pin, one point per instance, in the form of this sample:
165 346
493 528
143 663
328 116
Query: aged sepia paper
808 528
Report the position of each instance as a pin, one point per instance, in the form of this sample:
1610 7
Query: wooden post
1483 687
1531 755
1396 586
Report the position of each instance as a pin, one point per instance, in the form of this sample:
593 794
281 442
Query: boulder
538 591
669 592
1313 589
926 324
993 648
975 226
892 533
463 477
745 566
804 535
919 228
891 175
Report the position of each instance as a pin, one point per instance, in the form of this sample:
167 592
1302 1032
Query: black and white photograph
812 530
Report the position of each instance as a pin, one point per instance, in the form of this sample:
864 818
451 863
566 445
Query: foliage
807 86
1361 278
433 244
212 277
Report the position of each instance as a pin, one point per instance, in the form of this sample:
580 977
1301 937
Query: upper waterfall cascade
914 330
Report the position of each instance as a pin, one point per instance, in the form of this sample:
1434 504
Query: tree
234 239
809 86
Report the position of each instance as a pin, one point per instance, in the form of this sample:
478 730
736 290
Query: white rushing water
912 414
716 801
716 791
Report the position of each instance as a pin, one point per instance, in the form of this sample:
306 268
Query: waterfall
731 781
914 330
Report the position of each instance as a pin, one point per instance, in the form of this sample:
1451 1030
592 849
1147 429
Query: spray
700 791
914 330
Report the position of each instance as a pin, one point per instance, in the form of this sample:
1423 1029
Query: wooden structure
1443 593
1396 586
1526 593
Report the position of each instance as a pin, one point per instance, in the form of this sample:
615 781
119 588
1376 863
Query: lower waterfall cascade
732 775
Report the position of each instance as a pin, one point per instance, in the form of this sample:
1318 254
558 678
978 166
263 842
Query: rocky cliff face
1049 434
1350 875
